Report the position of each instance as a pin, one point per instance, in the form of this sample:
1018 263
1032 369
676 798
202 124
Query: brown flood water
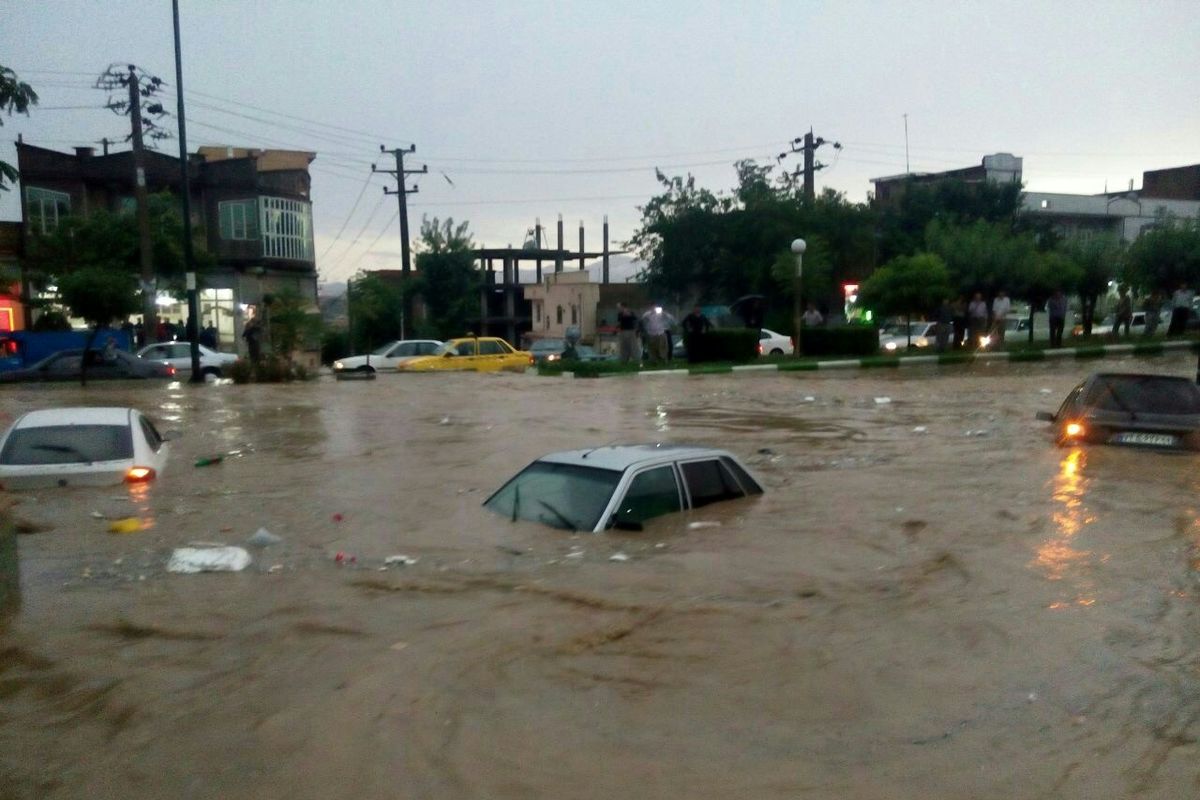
905 613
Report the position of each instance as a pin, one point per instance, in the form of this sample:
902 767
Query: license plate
1151 439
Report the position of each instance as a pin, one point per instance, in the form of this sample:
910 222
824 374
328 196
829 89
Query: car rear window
1144 394
68 444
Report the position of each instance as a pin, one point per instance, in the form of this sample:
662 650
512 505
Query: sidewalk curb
943 359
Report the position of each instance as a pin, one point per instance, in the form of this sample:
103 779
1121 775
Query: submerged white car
895 337
621 486
179 356
389 357
80 447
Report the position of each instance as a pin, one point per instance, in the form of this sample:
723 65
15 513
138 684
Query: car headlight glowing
890 346
553 357
338 365
1073 430
984 341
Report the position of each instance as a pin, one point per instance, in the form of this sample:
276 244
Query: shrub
241 371
271 369
843 340
335 344
730 344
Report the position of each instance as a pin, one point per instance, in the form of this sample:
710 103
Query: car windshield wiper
64 448
561 516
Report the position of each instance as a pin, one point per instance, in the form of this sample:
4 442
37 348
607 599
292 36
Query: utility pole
139 85
145 249
402 192
189 260
808 145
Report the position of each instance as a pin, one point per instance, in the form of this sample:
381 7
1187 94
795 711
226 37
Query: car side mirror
1045 416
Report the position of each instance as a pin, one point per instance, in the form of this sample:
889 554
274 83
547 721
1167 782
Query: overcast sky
530 109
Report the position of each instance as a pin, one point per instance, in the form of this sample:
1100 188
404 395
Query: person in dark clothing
694 325
252 333
945 324
208 337
1056 309
627 328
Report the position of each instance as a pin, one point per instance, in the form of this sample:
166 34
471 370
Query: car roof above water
623 456
79 415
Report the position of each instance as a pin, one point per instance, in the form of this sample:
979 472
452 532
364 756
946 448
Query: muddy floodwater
930 601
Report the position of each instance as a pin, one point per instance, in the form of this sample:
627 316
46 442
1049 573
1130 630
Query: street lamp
798 247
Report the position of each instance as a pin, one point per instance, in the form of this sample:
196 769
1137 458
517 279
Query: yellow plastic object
126 525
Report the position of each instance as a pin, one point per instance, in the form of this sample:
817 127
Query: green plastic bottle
209 460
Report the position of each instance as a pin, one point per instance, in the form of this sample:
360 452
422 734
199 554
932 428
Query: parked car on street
388 357
179 356
1137 324
80 447
1155 411
549 351
66 365
771 343
894 337
621 486
477 353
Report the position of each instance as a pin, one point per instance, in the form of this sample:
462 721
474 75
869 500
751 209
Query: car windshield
561 495
1144 394
68 444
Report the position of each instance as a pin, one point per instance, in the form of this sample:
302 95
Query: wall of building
1124 215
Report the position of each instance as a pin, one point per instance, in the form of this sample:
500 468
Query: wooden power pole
402 192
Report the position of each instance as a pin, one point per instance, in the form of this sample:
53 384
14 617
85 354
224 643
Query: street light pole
798 248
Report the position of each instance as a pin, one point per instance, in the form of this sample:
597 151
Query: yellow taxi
477 353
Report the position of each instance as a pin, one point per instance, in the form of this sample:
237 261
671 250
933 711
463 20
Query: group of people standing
656 327
962 323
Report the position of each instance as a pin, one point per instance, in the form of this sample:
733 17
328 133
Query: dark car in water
1153 411
66 365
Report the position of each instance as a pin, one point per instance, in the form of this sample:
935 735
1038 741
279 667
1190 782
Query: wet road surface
931 600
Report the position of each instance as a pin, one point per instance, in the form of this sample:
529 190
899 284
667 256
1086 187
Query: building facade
251 212
995 168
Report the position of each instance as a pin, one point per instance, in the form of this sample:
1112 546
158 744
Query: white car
80 447
179 356
921 334
621 486
771 343
389 357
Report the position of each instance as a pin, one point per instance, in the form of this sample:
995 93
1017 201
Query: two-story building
251 211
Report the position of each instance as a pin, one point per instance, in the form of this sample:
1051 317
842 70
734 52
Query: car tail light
531 361
171 370
760 348
1074 430
139 474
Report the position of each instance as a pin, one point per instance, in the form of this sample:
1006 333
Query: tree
981 256
293 321
1166 255
903 224
1099 259
907 285
99 294
375 307
446 276
1039 275
15 97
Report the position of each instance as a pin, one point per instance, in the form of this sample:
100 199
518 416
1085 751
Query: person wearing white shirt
1001 306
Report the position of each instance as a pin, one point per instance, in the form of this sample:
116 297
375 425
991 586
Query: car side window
651 494
490 349
748 483
406 349
465 348
181 351
709 482
425 348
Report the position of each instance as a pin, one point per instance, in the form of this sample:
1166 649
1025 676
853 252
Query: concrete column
604 257
581 261
558 258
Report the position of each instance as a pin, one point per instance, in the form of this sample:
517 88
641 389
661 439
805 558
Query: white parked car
893 338
179 356
389 357
771 343
80 447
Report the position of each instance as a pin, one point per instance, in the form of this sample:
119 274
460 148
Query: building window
239 219
560 315
537 312
574 315
44 209
287 229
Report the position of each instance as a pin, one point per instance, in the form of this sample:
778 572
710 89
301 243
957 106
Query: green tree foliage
100 295
375 308
1166 255
982 256
15 98
294 322
700 246
1099 259
907 285
447 278
903 224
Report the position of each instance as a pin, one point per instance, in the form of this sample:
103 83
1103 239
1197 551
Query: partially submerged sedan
1155 411
621 486
80 447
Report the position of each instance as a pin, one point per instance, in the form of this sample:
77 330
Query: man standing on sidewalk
655 324
1001 306
627 343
